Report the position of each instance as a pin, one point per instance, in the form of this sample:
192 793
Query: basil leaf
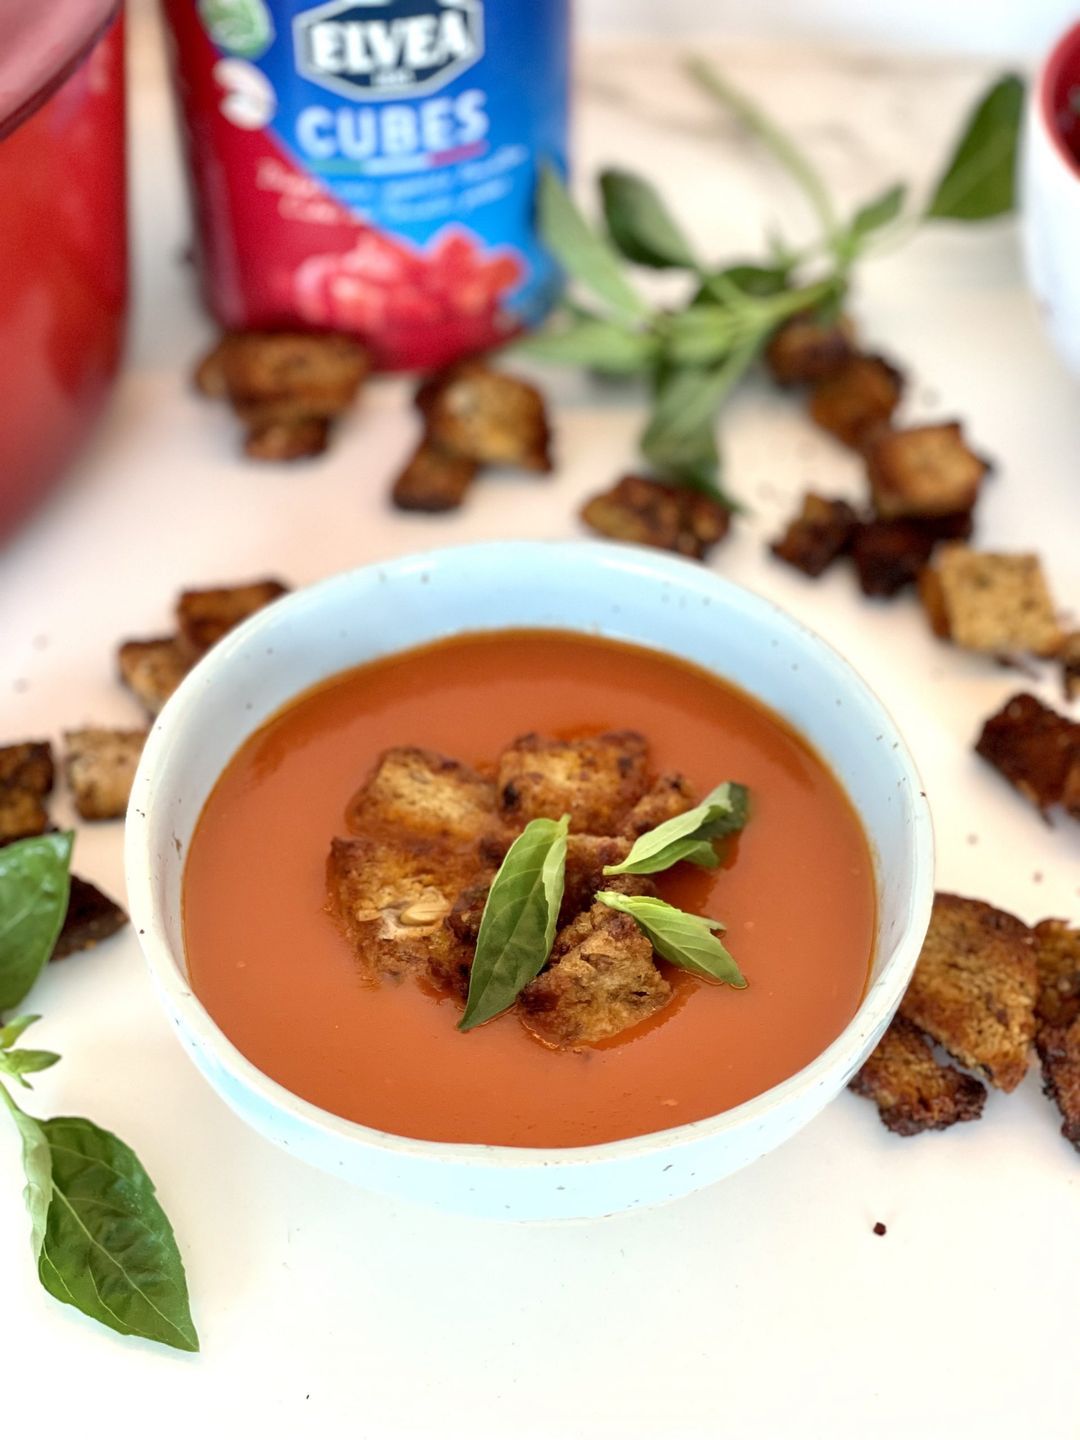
876 214
596 344
757 281
979 181
518 924
37 1166
640 224
11 1032
685 940
700 335
689 836
680 437
108 1247
18 1063
33 903
583 254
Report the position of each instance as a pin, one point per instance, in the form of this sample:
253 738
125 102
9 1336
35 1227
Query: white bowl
655 600
1050 201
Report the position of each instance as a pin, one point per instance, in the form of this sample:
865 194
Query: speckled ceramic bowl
636 595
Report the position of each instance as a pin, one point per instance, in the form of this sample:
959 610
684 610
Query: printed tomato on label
384 182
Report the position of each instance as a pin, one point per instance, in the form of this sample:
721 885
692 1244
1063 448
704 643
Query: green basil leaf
685 940
876 214
700 335
724 811
518 924
37 1166
640 224
108 1247
582 253
680 437
595 344
18 1063
757 281
12 1031
33 903
979 181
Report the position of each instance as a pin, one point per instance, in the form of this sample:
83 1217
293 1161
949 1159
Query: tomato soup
796 892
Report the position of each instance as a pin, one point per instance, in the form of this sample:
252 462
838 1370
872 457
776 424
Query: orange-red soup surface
796 893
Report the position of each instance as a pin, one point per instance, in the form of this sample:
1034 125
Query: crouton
602 979
586 856
91 917
21 814
152 670
204 616
818 535
928 470
806 350
27 766
912 1091
998 604
641 511
487 416
1057 958
1036 749
857 399
890 554
282 377
391 893
597 781
1059 1053
433 480
974 988
297 438
100 766
424 794
670 795
1069 655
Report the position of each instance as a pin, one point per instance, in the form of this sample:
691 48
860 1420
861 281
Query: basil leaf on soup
640 224
518 924
33 902
685 940
108 1248
979 181
724 811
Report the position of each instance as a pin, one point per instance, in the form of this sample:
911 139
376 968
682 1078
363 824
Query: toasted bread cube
912 1091
1069 655
152 669
1059 1052
586 856
100 766
596 781
91 917
994 603
433 480
280 377
424 794
391 893
27 766
928 470
209 375
277 439
670 795
1057 958
640 511
487 416
22 814
858 399
1035 748
818 535
602 979
204 616
805 350
889 555
974 988
1070 791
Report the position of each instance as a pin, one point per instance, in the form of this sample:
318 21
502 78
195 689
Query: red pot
63 235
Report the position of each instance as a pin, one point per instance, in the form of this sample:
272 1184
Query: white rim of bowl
877 1005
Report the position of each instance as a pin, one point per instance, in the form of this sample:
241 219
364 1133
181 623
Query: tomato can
370 166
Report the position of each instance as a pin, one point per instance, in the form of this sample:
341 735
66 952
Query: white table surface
764 1306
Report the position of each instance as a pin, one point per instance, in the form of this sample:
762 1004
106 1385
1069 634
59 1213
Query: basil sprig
100 1238
689 836
694 355
517 927
683 939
